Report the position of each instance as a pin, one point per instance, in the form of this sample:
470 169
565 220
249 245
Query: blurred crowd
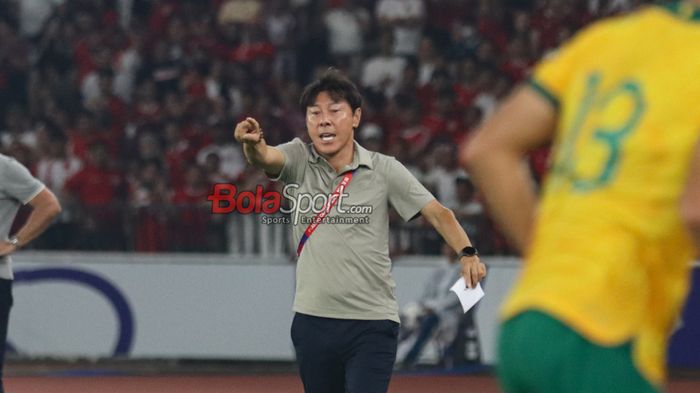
125 108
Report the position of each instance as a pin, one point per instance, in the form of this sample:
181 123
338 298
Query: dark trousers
344 355
5 305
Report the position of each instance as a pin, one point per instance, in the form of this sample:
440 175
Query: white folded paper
467 296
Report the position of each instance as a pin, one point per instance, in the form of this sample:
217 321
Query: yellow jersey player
608 246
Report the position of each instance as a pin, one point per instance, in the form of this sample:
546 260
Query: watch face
469 251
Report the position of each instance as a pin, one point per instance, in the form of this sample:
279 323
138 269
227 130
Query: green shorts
539 354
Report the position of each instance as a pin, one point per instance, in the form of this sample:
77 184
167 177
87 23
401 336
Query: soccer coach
346 319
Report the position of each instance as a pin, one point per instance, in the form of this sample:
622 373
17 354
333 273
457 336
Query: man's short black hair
338 87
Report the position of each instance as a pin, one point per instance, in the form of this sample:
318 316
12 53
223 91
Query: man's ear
356 117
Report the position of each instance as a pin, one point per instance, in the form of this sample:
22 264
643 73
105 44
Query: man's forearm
495 160
448 227
255 154
444 221
267 158
505 182
36 224
40 218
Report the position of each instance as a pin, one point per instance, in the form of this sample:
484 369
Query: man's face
331 124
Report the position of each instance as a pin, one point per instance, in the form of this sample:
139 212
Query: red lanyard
332 200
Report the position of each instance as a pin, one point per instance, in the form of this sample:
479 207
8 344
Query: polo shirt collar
361 156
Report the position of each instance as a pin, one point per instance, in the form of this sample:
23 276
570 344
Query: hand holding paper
468 297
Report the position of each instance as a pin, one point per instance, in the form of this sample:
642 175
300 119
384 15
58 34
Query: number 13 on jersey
591 147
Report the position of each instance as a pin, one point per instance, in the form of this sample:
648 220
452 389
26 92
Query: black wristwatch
468 251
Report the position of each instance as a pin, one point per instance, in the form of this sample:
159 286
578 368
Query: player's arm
444 221
256 150
495 159
690 200
45 207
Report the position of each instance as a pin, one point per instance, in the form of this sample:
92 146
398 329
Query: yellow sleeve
553 74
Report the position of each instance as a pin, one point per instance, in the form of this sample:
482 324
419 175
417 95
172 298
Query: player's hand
473 270
248 131
6 248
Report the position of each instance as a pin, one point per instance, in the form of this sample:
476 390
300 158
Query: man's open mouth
327 137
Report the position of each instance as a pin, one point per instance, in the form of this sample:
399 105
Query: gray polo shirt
344 270
17 187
